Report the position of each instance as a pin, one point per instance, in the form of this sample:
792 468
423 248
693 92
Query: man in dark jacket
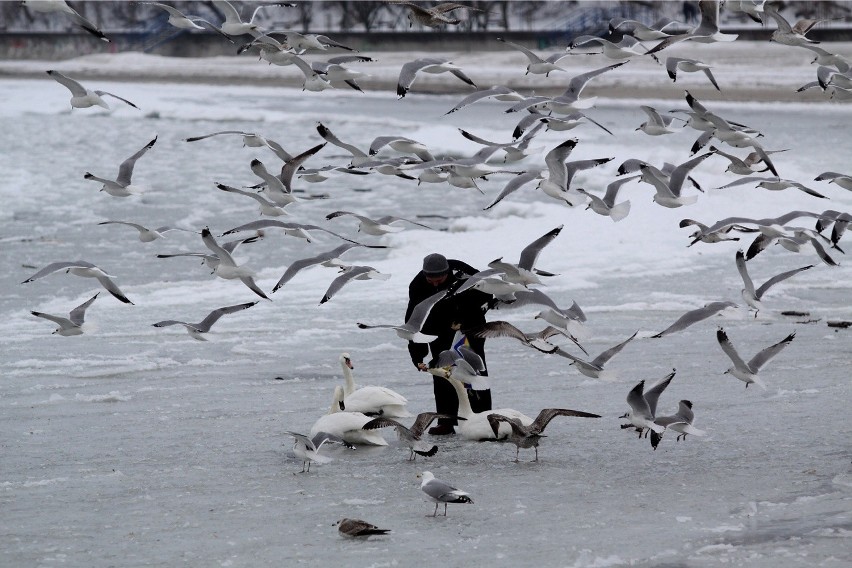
454 312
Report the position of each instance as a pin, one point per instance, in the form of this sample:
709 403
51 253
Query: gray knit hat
435 264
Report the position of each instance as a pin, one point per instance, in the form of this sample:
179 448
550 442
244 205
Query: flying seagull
695 316
47 6
227 267
433 16
409 72
73 324
146 235
328 258
747 372
81 97
121 186
753 296
595 367
350 273
410 330
84 269
378 226
643 406
198 330
680 422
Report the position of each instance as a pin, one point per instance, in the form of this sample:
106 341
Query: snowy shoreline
745 71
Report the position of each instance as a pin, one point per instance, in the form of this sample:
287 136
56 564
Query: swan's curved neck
349 381
335 403
465 411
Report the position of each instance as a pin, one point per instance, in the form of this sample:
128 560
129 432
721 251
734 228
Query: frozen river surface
132 445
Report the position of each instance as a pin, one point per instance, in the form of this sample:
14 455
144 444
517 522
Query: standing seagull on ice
307 449
409 72
48 6
85 269
121 185
753 296
411 436
410 330
81 97
73 324
441 492
530 436
747 372
197 330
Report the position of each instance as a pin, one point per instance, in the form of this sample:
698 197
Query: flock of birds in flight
356 413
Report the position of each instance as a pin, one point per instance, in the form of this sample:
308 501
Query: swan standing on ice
370 399
346 425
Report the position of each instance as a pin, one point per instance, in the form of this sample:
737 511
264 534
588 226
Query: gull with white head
73 324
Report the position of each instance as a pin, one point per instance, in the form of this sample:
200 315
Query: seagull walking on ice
530 436
411 436
307 449
441 492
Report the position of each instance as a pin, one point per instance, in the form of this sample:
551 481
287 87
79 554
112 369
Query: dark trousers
447 402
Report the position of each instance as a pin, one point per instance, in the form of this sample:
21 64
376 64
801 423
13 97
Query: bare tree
366 14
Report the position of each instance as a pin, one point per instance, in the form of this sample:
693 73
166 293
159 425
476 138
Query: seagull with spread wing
200 329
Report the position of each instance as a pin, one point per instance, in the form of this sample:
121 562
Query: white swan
370 399
347 425
475 425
